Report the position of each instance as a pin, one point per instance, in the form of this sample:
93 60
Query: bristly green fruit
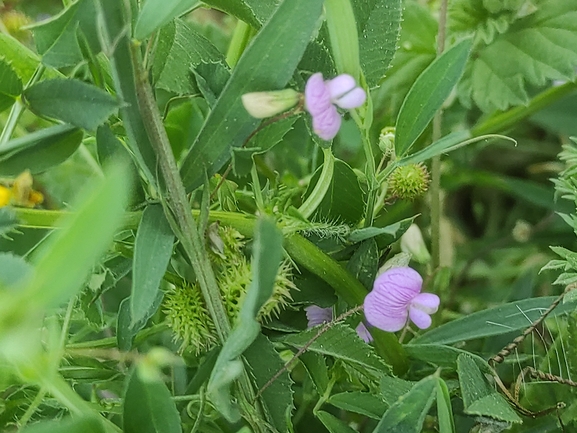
186 312
409 181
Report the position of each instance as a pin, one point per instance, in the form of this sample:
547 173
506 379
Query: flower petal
353 99
327 124
340 85
364 333
317 315
317 95
419 317
427 302
379 313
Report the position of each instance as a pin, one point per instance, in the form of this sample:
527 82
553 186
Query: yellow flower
5 196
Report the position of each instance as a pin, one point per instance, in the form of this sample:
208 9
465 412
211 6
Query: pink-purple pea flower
396 297
322 98
318 316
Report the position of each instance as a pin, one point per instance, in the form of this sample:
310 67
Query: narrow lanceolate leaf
267 254
64 261
40 150
408 413
152 251
360 402
267 64
494 321
444 409
156 13
148 407
10 84
72 101
535 49
428 94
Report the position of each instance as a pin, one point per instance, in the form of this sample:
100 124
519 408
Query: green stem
502 121
322 186
238 43
182 221
436 162
18 108
32 408
256 189
371 179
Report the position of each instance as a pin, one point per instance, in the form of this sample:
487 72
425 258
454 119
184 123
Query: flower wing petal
317 315
420 318
353 99
317 95
327 124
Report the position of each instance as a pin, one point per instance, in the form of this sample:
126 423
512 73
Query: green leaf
408 413
417 49
446 144
441 355
180 49
267 254
393 388
157 13
344 199
493 321
39 150
115 40
480 398
253 12
14 270
391 232
316 367
263 141
379 23
341 342
71 101
10 84
76 424
333 424
428 94
61 40
277 399
537 48
127 328
65 259
21 58
267 64
148 407
152 252
364 263
444 409
359 402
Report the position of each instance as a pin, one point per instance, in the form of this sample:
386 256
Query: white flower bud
412 242
267 104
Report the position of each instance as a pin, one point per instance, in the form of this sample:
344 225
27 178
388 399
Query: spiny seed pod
185 309
409 181
188 317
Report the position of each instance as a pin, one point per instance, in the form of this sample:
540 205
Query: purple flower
396 296
318 316
322 97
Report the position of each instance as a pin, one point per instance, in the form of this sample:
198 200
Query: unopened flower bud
267 104
387 140
412 242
